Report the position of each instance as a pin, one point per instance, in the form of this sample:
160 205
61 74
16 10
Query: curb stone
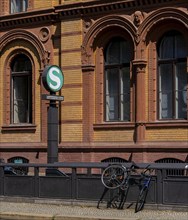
16 216
25 216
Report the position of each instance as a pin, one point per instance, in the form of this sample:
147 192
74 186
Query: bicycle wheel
115 198
124 194
141 199
113 176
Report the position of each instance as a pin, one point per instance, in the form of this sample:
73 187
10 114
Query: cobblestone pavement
50 211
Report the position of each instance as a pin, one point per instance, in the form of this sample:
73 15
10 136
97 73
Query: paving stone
57 210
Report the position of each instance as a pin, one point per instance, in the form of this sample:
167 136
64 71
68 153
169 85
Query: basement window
19 160
171 172
114 160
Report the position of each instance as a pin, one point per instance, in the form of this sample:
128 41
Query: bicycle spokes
113 176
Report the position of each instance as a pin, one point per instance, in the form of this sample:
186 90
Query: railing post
73 183
88 171
159 186
36 182
2 180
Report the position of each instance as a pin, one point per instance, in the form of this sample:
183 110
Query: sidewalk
56 210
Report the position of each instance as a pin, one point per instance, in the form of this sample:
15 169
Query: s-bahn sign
52 78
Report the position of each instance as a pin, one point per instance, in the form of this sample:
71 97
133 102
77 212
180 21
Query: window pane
113 53
125 100
24 7
112 81
165 91
125 52
181 51
20 85
166 49
118 52
181 91
21 101
14 6
18 5
21 64
172 46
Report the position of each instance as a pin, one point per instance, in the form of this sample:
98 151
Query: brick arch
11 56
160 20
105 27
26 36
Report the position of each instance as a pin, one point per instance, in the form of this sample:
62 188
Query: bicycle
144 184
116 176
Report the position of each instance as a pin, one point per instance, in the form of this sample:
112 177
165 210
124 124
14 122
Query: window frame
174 63
119 66
22 74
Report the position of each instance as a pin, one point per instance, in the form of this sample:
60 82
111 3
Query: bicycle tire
141 199
124 196
113 176
115 199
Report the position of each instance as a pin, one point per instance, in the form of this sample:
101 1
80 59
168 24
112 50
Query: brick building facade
126 79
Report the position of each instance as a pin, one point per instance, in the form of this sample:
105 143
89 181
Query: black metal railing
82 181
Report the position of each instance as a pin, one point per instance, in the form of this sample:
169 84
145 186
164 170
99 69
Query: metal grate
114 160
172 172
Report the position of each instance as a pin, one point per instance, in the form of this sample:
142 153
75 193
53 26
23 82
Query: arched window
117 80
172 75
19 160
21 90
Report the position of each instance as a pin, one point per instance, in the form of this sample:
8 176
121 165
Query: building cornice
79 9
28 18
97 7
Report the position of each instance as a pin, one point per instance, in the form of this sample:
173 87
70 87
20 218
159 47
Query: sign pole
52 132
53 81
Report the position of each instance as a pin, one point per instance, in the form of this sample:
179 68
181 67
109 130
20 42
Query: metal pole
52 132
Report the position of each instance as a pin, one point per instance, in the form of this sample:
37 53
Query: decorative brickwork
74 35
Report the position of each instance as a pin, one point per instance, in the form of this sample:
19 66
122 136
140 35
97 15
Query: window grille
114 160
171 172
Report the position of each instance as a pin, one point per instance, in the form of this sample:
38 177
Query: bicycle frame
144 188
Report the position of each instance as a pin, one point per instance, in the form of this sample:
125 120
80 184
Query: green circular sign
52 78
